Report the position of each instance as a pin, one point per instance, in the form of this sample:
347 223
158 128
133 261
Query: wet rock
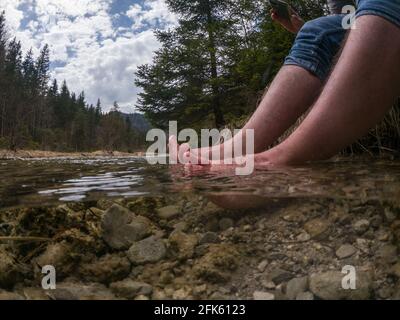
278 276
35 294
8 269
146 206
209 237
328 286
318 228
346 251
339 216
10 296
269 285
57 255
305 296
181 226
303 237
395 270
182 245
260 295
217 264
383 235
387 254
149 250
212 225
385 292
225 224
363 245
376 221
390 215
296 286
130 289
361 226
121 228
80 291
294 216
159 295
262 265
181 294
169 212
109 268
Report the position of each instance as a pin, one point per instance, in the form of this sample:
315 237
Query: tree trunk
212 49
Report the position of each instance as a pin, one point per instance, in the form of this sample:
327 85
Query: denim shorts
319 40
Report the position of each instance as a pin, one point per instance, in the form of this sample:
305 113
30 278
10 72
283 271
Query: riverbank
29 154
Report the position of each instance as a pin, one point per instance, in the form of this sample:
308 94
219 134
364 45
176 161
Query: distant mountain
138 121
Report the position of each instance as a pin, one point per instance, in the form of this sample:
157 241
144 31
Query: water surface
46 182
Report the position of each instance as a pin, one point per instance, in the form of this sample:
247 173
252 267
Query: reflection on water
35 181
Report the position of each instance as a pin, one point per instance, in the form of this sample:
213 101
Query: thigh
387 9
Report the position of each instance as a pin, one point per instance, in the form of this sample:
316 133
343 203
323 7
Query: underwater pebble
296 286
149 250
225 224
259 295
345 251
121 228
169 212
130 289
361 226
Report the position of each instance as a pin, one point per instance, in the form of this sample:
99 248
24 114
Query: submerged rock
361 226
278 276
8 269
109 268
295 287
10 296
305 296
328 286
35 294
259 295
318 228
209 237
225 224
217 264
346 251
387 254
149 250
80 291
57 255
121 228
130 289
169 212
182 245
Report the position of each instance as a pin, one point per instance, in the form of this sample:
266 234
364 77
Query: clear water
46 182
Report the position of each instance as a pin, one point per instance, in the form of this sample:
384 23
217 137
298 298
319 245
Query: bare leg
293 92
361 89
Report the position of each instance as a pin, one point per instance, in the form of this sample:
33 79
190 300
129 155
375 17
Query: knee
324 29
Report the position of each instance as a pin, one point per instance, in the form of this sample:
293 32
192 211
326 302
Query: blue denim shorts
319 41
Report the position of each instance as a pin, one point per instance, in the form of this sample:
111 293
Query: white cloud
152 13
98 56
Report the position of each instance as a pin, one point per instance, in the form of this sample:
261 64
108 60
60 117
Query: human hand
293 25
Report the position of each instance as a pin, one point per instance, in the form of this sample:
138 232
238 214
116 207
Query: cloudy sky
96 45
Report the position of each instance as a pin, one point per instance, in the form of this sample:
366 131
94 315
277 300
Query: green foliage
36 115
213 66
219 60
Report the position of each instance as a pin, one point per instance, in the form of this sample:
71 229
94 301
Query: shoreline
31 154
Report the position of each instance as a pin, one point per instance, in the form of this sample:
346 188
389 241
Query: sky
96 45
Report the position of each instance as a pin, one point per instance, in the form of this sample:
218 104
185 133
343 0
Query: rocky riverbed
189 248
